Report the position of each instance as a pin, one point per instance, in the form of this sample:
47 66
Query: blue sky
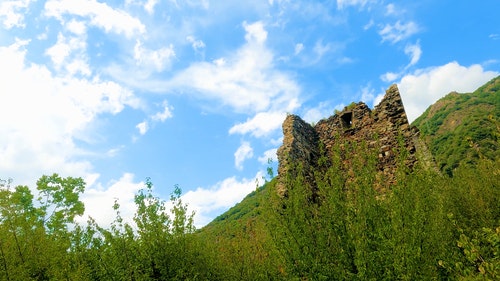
194 92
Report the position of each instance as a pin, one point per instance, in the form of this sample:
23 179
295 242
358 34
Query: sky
193 93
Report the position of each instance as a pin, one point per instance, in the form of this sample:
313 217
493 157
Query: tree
35 239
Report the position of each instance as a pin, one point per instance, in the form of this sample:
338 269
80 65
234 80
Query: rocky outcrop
382 129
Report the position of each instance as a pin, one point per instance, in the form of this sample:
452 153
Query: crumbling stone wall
300 145
379 128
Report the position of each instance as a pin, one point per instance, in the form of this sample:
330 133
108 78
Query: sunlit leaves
59 200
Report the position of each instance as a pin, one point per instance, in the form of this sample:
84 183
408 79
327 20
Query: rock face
380 129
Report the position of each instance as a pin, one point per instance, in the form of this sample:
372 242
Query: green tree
35 239
59 200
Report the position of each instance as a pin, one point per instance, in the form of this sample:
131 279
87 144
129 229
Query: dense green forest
429 225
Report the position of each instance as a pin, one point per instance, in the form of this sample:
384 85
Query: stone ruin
380 129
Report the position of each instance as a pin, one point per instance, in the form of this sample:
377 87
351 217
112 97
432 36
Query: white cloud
244 152
320 49
246 82
345 3
114 151
99 200
379 98
219 62
76 27
99 14
367 95
149 6
299 48
398 31
369 24
60 51
389 76
153 59
12 13
42 115
262 124
425 86
255 32
345 60
159 116
205 4
322 110
414 52
206 202
69 54
142 127
165 114
317 53
490 62
269 154
212 201
390 9
197 45
44 35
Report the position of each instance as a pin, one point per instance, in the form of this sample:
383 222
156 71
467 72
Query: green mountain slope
461 128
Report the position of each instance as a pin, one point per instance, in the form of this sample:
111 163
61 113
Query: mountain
358 197
461 128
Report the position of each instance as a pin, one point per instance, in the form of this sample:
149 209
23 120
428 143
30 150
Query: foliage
39 240
425 227
461 128
34 234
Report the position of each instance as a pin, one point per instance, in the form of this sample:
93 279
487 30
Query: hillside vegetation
458 122
428 226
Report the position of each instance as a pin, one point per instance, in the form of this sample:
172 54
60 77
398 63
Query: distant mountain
461 128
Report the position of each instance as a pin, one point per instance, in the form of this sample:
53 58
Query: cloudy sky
194 92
